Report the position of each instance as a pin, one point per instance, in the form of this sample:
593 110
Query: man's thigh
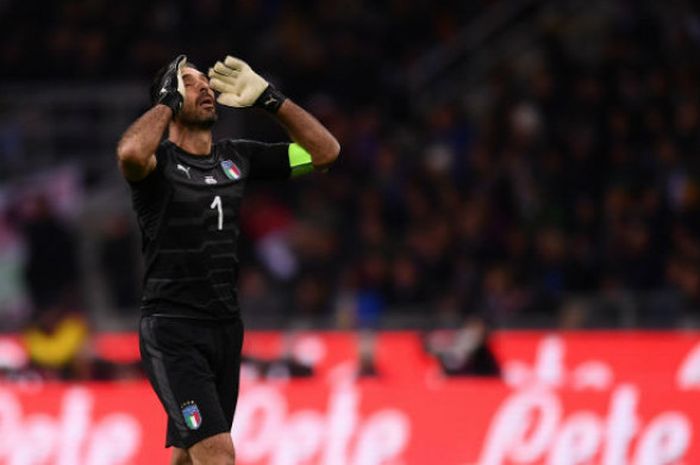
216 449
180 457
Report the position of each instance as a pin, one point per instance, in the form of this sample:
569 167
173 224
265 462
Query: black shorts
194 367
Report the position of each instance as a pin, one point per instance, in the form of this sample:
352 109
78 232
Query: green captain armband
299 160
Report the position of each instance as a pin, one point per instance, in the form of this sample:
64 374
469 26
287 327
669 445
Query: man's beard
197 121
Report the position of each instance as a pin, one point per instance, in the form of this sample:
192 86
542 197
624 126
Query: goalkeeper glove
239 86
172 88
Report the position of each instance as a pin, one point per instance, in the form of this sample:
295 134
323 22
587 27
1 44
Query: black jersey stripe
204 277
199 249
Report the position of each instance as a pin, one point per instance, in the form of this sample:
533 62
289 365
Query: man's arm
308 132
137 147
241 87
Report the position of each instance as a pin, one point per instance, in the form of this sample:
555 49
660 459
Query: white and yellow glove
239 86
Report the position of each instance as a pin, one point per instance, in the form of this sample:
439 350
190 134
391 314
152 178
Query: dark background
527 163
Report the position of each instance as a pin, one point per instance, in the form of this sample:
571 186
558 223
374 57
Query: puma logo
185 169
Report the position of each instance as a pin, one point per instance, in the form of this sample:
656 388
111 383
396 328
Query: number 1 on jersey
217 204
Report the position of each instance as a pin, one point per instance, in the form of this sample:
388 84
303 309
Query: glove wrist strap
270 100
172 100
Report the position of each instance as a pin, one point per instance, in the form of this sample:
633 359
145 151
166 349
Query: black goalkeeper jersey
188 213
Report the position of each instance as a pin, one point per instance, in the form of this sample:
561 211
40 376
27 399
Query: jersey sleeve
275 161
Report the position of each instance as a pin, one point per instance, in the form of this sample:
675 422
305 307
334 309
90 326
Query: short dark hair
154 90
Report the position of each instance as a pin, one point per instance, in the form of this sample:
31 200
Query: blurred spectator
52 264
268 222
59 346
55 341
119 262
292 362
569 188
465 351
366 351
14 303
256 297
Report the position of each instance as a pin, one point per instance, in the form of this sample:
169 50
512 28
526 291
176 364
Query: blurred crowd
571 196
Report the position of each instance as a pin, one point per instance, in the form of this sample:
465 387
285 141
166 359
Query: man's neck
192 140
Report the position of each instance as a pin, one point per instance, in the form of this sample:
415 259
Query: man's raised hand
172 87
239 86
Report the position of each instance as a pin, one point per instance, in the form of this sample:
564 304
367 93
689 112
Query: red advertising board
601 398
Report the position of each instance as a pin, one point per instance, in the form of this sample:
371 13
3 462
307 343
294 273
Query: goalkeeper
186 191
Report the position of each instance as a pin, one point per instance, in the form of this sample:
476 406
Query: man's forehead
191 72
